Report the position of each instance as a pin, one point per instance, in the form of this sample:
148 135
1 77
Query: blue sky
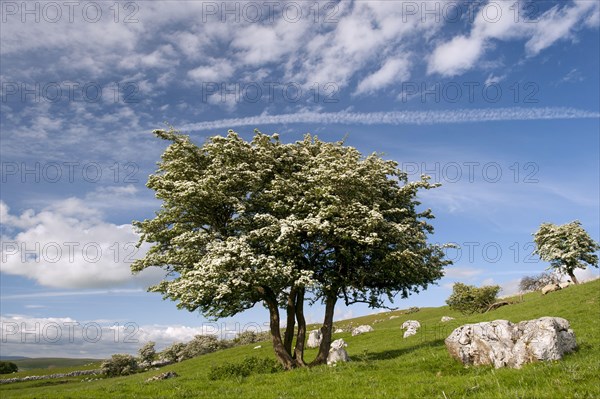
498 101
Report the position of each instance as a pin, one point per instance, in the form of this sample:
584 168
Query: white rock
505 344
393 317
411 327
362 329
447 318
547 338
409 332
410 324
314 339
337 353
565 284
257 347
338 330
550 288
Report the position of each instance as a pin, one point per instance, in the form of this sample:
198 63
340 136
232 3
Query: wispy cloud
400 117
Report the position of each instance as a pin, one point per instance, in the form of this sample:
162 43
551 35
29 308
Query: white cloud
500 20
68 245
219 71
558 23
456 56
462 272
392 71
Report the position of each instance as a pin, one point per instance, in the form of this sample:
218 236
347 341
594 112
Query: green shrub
118 365
8 367
248 366
469 299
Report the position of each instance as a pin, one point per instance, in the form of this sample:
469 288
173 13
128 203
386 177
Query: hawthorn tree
253 222
567 247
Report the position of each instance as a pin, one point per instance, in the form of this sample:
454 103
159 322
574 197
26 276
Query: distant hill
25 363
8 357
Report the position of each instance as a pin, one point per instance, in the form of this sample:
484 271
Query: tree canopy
253 222
567 247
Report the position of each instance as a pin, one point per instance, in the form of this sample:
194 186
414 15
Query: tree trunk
301 337
291 320
326 330
283 356
573 278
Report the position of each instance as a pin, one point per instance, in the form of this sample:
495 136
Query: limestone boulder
504 344
550 288
362 329
314 339
446 319
337 352
565 284
411 327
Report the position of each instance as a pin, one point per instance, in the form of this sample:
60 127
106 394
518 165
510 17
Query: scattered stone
412 309
314 339
446 319
338 330
362 329
257 347
337 353
411 327
504 344
163 376
550 288
393 317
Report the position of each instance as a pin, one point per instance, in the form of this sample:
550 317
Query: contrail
400 117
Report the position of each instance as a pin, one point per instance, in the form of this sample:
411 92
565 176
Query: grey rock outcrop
163 376
504 344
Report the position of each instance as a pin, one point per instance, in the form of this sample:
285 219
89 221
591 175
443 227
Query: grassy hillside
384 364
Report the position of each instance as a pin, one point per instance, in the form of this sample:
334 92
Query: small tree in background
567 247
536 283
469 299
8 367
173 353
147 353
200 345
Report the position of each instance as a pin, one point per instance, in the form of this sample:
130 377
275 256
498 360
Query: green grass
384 364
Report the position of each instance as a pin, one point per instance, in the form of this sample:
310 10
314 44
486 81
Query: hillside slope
384 364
